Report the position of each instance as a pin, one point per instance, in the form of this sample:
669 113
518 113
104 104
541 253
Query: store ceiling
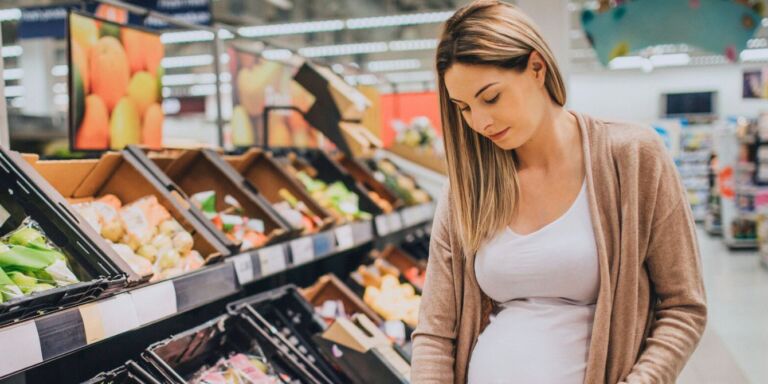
242 13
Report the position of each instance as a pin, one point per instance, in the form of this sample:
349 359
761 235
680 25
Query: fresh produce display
246 231
419 133
144 234
30 263
386 295
116 83
336 198
381 202
416 277
402 185
296 212
239 369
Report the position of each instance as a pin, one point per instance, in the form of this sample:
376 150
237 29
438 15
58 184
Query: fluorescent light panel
292 28
10 14
413 45
12 51
343 49
754 54
277 54
186 37
398 20
394 65
410 77
187 61
60 70
13 74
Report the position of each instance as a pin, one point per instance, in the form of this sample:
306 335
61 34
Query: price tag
410 216
344 237
272 260
154 302
382 225
19 348
303 250
243 268
108 317
395 222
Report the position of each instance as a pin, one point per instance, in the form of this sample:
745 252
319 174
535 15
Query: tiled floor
735 346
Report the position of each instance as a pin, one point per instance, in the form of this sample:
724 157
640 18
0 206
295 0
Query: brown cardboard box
361 334
425 157
260 169
204 170
329 287
120 175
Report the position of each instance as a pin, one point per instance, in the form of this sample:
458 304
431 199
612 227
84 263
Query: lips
499 135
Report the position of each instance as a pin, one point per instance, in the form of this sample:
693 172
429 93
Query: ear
538 67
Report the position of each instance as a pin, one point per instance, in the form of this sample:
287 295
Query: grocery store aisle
735 346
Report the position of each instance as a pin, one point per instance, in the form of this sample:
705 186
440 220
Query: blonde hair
483 177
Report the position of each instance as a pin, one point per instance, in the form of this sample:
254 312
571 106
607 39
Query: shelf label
272 259
323 243
154 302
19 348
303 250
344 237
108 317
382 225
395 222
243 268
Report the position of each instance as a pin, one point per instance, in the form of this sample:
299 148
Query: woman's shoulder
626 141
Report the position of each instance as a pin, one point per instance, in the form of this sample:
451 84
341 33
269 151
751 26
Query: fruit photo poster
115 85
257 84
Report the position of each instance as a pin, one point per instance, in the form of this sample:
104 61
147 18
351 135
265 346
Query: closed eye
493 100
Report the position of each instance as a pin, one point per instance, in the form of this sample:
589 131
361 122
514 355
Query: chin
510 143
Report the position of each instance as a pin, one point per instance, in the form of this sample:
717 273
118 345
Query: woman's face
506 106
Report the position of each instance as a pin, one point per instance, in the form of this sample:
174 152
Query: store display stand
4 134
693 165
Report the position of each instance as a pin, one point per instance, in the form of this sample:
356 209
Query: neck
553 143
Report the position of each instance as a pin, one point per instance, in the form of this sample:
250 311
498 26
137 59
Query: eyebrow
478 92
484 88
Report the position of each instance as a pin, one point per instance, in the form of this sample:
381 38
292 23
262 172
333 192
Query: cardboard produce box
122 176
382 195
329 287
259 169
203 170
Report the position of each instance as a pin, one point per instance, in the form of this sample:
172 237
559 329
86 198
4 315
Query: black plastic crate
130 373
289 317
21 198
178 358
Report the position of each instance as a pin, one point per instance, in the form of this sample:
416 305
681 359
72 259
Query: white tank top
546 284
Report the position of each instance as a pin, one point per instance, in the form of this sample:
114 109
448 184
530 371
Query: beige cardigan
651 309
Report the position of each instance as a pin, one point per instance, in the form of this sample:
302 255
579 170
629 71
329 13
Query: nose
483 122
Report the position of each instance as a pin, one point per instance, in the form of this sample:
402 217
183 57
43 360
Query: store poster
115 85
257 84
755 83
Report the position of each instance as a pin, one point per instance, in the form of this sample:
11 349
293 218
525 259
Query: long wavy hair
484 187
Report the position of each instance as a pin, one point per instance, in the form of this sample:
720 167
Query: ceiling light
754 54
291 28
277 54
14 91
186 61
12 51
394 65
757 42
60 70
189 79
10 14
410 77
13 74
366 79
225 34
413 45
397 20
343 49
186 37
630 62
670 60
